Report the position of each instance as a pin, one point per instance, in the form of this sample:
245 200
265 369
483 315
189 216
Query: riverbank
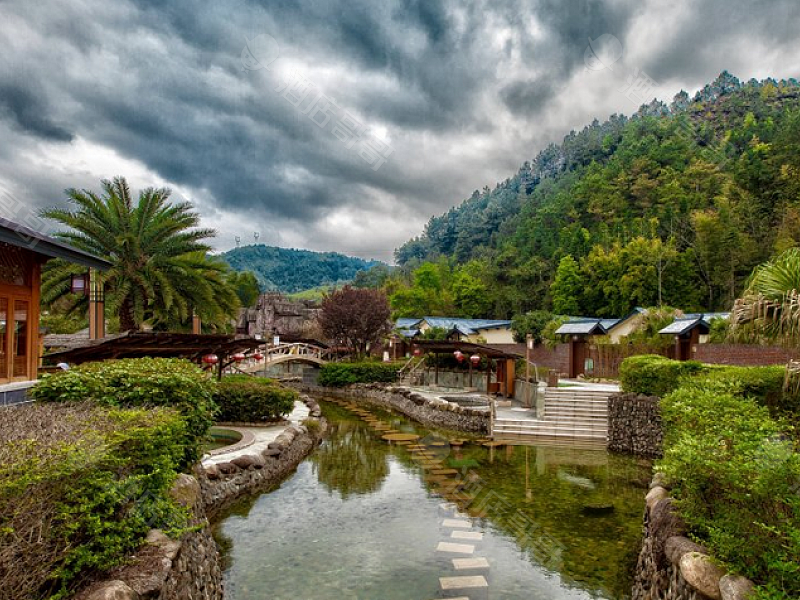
427 409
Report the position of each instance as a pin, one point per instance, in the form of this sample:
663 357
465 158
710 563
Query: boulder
664 524
227 468
113 590
271 452
248 460
212 472
167 546
654 496
736 587
702 574
678 545
185 490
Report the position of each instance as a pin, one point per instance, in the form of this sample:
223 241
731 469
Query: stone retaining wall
634 425
189 568
429 412
673 567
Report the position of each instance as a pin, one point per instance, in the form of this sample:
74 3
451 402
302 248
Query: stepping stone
463 582
456 523
400 443
465 564
445 472
455 548
448 506
474 536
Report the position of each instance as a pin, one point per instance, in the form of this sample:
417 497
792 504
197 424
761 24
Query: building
22 254
690 330
475 331
275 314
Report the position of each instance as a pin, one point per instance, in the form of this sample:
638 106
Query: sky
340 125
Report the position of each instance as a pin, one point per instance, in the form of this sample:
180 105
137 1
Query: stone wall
743 355
224 482
167 569
189 568
673 567
424 410
634 425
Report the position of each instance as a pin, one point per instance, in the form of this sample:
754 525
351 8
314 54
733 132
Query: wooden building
22 254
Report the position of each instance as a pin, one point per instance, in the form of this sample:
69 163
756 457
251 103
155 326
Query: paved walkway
262 437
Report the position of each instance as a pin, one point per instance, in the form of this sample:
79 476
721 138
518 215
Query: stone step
457 523
547 423
455 548
551 432
557 441
472 536
469 564
463 582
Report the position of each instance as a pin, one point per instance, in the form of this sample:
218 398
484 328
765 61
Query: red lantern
258 356
417 351
459 355
238 357
210 359
475 359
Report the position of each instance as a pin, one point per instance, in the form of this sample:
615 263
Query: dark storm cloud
465 92
28 111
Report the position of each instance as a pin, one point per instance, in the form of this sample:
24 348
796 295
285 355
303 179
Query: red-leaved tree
355 317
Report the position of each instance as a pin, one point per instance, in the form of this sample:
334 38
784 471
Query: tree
160 269
769 310
532 323
567 287
471 296
246 287
374 277
355 317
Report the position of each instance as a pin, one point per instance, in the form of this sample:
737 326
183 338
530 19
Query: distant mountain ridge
290 270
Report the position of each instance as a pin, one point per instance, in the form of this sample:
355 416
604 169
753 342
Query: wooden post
197 324
97 311
436 376
488 375
528 344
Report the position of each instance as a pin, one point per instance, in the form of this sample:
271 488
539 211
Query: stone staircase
569 414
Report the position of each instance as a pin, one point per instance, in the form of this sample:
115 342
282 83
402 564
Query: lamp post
528 348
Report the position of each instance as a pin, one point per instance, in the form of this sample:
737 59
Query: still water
363 519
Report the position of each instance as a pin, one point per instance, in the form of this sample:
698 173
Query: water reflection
557 522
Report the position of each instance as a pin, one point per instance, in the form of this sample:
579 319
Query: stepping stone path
469 575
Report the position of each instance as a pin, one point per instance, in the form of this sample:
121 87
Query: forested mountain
673 205
289 270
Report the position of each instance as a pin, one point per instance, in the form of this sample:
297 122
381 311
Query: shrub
80 487
140 382
341 374
252 399
655 375
737 481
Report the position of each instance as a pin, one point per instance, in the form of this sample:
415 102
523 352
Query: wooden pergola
190 346
504 361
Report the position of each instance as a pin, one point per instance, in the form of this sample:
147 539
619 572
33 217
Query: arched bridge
284 353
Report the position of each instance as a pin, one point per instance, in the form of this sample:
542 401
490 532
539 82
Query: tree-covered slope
673 205
289 270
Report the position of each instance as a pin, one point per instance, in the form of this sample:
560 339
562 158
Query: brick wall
556 358
743 355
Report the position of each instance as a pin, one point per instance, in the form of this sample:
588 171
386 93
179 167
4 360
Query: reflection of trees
351 461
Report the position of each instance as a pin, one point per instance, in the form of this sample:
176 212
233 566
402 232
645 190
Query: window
3 340
21 335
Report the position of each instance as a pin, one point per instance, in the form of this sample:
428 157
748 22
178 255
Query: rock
597 510
248 460
659 479
276 445
227 468
185 490
212 472
148 582
654 496
736 587
167 546
113 590
664 524
702 574
270 452
678 545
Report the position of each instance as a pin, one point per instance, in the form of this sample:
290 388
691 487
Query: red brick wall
556 358
743 355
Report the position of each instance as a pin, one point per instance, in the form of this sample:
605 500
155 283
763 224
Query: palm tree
769 309
160 271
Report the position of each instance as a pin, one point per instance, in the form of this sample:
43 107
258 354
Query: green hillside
289 270
675 204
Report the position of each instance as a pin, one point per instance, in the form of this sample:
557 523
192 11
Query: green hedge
252 399
80 487
341 374
140 382
737 478
655 375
